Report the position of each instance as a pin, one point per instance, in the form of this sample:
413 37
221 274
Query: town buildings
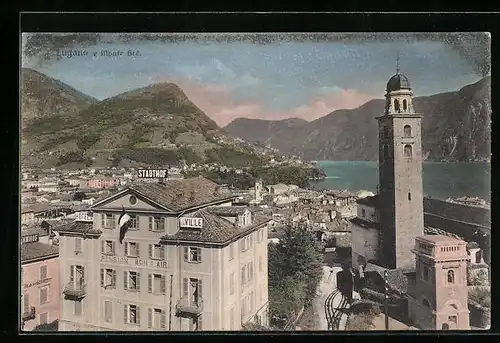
190 261
39 282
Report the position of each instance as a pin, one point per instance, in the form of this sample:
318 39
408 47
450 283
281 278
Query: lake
441 179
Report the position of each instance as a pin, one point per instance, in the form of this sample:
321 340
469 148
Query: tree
79 196
47 327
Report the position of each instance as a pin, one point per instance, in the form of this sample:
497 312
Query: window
244 275
43 272
396 105
134 222
426 273
156 318
231 284
246 243
452 319
260 264
243 309
426 303
78 308
156 251
405 105
445 326
132 314
77 276
44 318
132 249
156 224
407 150
108 278
250 271
231 252
409 196
260 235
131 281
44 295
192 290
26 303
156 284
407 131
108 247
78 245
451 276
192 254
107 221
132 200
363 212
478 257
108 311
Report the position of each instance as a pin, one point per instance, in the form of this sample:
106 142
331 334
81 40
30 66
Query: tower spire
397 64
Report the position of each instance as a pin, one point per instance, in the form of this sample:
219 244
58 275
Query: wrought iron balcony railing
189 307
30 314
77 291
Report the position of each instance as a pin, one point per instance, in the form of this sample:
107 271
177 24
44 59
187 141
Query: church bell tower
400 201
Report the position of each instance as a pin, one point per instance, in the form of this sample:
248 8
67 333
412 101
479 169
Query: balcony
31 314
185 307
75 291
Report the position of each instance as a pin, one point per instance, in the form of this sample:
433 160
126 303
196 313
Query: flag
123 223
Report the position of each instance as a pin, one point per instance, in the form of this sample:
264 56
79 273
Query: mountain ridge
453 121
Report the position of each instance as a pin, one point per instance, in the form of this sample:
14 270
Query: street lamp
386 291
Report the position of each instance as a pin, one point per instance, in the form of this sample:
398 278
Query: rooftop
229 211
398 82
179 195
38 250
369 201
364 223
396 278
78 227
215 229
439 239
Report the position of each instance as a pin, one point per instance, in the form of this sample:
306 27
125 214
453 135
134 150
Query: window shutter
162 319
126 249
162 284
103 220
137 249
185 289
150 223
125 312
162 251
71 274
125 280
198 254
137 222
150 250
200 289
102 247
113 247
150 317
138 315
186 254
150 283
83 274
138 284
164 225
113 280
102 277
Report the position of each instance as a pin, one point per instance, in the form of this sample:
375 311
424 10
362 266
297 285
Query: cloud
219 103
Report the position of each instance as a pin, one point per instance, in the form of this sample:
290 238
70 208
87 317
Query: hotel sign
196 223
137 262
29 238
37 283
152 173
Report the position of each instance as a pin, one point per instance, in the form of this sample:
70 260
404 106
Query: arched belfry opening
405 105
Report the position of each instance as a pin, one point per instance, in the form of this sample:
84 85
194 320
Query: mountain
43 96
153 125
456 127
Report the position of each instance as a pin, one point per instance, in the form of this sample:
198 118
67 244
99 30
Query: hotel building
190 261
39 282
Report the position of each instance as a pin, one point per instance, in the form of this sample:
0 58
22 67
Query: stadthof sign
152 173
191 222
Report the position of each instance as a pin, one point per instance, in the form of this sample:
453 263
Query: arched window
407 131
405 105
478 256
451 276
407 150
445 326
426 303
409 196
396 106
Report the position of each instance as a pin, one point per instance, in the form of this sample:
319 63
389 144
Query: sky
282 78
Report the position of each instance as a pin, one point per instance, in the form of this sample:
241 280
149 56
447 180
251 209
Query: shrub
480 296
